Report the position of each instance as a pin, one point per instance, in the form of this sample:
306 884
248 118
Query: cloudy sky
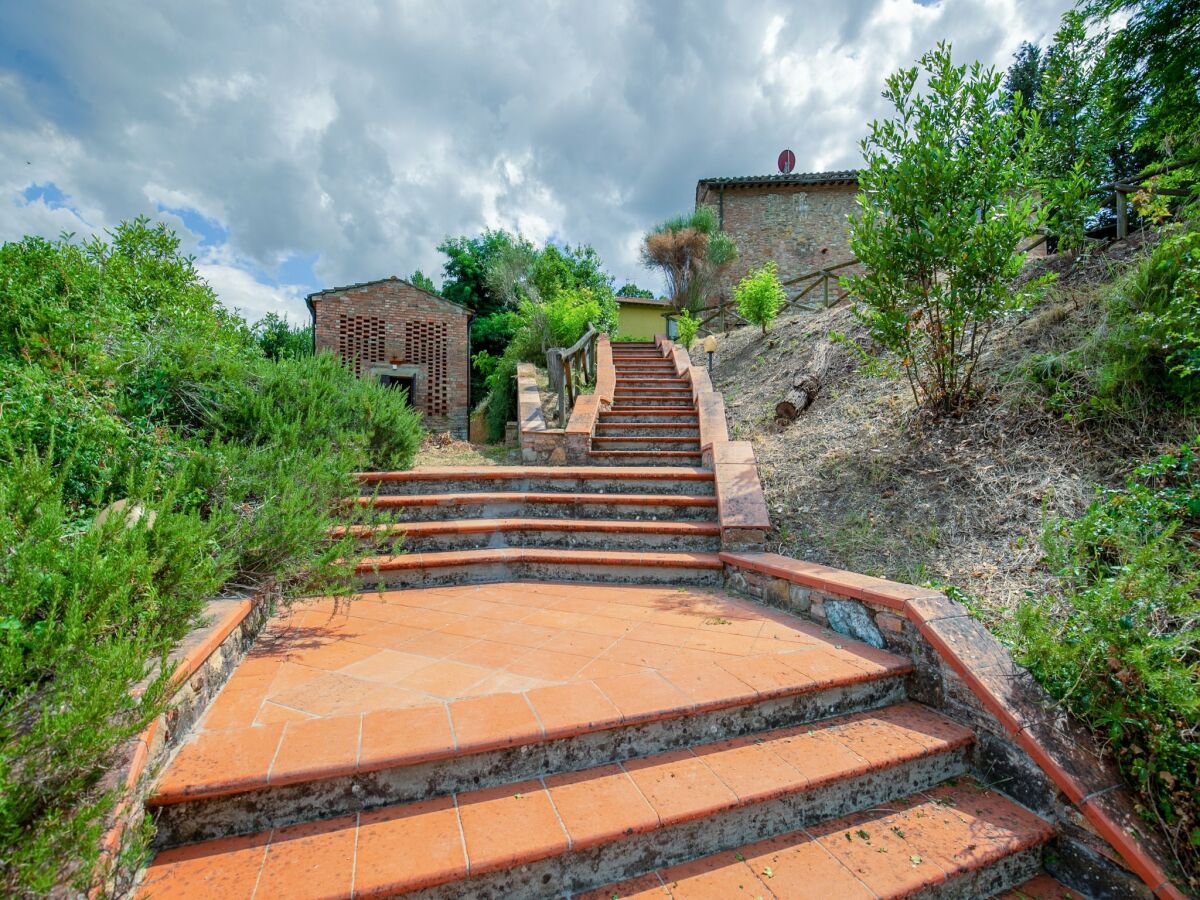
298 145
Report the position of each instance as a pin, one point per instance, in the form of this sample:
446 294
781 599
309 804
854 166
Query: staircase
562 703
653 420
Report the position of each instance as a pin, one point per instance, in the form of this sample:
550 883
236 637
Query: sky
300 145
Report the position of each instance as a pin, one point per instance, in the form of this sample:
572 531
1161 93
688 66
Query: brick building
405 337
797 220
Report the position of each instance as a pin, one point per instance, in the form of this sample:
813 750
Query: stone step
650 414
1041 887
955 840
635 366
657 507
608 428
643 457
681 404
531 563
659 479
477 534
576 830
632 381
643 387
646 442
679 401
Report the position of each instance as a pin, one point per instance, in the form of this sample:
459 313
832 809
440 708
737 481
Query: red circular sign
787 162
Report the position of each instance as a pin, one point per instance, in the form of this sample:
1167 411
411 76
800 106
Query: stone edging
541 444
204 660
741 506
902 618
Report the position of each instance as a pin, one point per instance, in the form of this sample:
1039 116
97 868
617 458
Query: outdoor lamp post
710 347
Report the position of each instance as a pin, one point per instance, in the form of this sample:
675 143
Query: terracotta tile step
631 381
426 507
609 534
679 429
649 457
576 831
565 557
657 412
655 479
344 764
532 563
958 840
671 403
600 440
641 389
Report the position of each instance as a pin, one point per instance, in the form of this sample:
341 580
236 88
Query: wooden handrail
564 367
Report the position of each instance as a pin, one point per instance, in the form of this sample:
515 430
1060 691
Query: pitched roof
845 176
359 284
643 301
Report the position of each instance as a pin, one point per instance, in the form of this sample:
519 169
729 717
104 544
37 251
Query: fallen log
805 388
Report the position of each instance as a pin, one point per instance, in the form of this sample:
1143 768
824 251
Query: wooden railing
809 282
569 370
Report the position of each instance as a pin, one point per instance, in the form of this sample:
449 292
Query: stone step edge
714 763
392 501
694 690
488 526
557 473
646 454
440 559
792 861
645 439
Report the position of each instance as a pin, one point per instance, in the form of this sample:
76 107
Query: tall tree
1024 77
691 252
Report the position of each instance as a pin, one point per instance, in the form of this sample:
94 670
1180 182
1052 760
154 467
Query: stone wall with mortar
1025 747
799 227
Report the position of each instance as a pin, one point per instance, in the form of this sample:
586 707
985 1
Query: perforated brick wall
391 321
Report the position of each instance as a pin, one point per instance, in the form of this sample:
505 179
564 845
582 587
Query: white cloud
363 134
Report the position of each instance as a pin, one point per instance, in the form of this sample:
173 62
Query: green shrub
945 202
688 326
760 296
1119 643
1144 355
121 377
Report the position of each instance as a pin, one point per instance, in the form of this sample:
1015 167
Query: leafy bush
122 378
760 296
944 206
689 325
1119 643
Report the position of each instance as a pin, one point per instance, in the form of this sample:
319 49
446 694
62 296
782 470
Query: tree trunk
805 387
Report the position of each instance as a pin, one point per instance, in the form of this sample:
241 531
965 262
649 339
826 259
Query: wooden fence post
1122 216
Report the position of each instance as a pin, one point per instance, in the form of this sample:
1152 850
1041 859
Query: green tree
1023 79
944 202
423 281
629 289
279 339
1073 155
760 296
689 325
692 253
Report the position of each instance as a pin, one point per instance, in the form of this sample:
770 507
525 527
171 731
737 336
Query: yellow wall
642 322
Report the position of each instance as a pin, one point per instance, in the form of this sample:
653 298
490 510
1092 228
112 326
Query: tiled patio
342 685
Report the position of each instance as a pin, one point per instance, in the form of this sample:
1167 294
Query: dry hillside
864 482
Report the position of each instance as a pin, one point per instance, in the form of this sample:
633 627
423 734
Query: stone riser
682 418
671 403
642 458
599 485
573 540
563 510
647 443
524 571
640 430
576 871
209 818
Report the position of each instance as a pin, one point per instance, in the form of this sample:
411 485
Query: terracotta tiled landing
415 845
917 843
334 687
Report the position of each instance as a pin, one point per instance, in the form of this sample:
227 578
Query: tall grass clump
122 378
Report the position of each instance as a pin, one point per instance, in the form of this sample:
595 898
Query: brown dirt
440 449
863 481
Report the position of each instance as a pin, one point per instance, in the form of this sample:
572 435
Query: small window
672 328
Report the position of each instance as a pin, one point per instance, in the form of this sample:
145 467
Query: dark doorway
402 383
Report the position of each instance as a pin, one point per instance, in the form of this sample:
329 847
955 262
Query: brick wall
800 227
393 322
